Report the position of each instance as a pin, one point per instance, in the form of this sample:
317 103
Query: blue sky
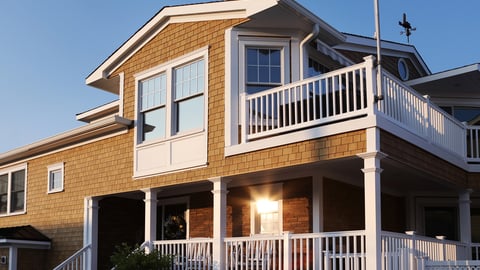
48 47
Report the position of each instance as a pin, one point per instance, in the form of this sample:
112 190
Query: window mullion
169 106
9 192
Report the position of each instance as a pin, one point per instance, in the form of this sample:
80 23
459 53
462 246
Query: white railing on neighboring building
448 265
322 251
78 261
194 253
349 93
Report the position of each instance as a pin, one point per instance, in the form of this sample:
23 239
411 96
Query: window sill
13 214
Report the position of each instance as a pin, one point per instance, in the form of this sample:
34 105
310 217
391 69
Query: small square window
55 178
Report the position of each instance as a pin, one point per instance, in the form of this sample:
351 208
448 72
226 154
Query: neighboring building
251 135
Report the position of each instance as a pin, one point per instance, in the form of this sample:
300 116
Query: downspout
306 40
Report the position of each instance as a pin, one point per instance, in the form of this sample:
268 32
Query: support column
12 258
90 230
150 216
317 203
372 190
219 221
465 218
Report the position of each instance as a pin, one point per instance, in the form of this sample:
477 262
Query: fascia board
445 74
67 138
187 13
25 243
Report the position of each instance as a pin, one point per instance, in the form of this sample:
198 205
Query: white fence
322 251
187 254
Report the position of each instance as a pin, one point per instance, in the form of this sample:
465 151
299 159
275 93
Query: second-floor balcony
348 95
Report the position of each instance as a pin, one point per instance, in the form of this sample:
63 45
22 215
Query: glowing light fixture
266 206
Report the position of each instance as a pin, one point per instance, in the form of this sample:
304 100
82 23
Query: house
253 135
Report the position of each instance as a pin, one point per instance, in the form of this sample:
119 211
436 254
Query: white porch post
90 230
150 216
465 219
373 214
12 258
219 221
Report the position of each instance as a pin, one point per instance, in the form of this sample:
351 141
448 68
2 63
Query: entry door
172 221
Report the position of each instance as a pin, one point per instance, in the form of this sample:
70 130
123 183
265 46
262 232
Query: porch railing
187 254
349 93
401 251
78 261
336 250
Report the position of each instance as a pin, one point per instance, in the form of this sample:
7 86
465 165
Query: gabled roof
368 45
261 12
23 236
173 14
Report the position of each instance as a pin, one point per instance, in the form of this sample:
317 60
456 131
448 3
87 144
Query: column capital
374 154
372 170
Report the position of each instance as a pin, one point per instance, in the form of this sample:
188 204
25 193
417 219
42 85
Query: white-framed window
266 209
13 185
171 108
55 178
171 99
264 63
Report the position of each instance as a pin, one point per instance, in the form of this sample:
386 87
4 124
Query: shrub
134 258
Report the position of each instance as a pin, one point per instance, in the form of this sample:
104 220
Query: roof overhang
458 83
176 14
82 134
369 45
23 237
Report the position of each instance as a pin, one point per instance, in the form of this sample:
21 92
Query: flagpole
379 95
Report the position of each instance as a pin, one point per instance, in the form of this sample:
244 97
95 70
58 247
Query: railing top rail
330 234
256 237
183 241
309 80
422 238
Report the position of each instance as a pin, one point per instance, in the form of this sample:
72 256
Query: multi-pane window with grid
264 69
153 107
12 192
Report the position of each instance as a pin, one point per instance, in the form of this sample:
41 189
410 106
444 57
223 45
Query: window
263 63
189 103
152 107
12 190
55 178
315 68
172 101
267 219
264 69
266 209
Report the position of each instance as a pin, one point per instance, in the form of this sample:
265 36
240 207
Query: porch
322 251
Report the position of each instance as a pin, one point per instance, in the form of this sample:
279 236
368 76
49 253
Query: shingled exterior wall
105 166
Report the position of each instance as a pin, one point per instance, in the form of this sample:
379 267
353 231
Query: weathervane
407 26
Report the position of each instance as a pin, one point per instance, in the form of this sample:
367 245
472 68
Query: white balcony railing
349 93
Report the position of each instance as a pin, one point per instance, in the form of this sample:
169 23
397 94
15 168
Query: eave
79 135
